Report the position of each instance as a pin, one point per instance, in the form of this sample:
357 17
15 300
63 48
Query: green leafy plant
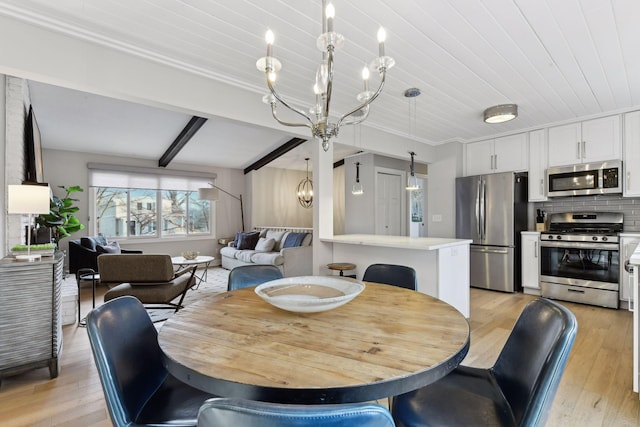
61 219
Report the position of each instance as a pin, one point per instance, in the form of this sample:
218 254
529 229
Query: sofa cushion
228 251
111 248
293 240
247 240
88 242
265 245
245 255
273 258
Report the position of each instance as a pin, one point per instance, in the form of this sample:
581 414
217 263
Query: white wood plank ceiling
557 59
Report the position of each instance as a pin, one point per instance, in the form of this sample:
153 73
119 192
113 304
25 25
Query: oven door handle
579 245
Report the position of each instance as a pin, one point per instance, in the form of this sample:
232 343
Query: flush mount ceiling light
500 113
317 119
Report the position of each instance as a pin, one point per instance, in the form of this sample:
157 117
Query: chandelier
305 190
317 119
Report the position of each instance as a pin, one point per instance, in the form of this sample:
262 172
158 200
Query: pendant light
357 189
305 190
412 181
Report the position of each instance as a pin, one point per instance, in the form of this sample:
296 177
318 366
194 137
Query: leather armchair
251 275
517 390
247 413
84 252
138 389
391 274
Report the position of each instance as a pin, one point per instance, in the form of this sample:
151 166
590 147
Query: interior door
388 204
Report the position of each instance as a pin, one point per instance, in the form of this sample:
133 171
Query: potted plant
61 219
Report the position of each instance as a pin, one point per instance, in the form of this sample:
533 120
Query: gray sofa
292 261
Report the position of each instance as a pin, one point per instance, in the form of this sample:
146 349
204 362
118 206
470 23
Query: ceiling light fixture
500 113
412 181
357 189
305 190
317 120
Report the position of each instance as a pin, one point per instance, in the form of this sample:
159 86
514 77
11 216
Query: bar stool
341 267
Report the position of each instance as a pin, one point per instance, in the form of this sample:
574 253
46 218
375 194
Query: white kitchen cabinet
530 262
628 244
504 154
537 166
631 184
583 142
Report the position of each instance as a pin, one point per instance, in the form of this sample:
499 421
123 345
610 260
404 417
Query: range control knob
604 238
550 236
595 238
559 237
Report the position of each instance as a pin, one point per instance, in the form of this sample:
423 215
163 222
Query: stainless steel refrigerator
491 210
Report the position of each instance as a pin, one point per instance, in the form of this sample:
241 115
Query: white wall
3 185
441 194
274 198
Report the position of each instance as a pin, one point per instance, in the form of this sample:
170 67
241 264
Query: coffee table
181 262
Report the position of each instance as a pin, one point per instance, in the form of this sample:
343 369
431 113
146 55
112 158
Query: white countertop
402 242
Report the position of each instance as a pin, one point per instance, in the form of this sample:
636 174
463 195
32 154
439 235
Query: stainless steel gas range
579 258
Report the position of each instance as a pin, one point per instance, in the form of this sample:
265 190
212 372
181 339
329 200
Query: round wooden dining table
385 342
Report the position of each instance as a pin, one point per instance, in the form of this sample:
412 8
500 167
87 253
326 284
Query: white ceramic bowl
309 294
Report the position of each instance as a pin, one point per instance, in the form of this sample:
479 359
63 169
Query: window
149 202
181 213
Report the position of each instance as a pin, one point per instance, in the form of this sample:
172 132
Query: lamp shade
208 194
28 199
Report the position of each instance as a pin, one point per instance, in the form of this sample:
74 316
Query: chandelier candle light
317 120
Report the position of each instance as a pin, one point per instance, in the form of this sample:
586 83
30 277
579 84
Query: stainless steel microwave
585 179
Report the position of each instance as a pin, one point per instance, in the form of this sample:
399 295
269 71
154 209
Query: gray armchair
149 278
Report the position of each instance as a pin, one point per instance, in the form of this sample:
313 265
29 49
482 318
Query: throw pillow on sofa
293 240
265 245
111 248
247 240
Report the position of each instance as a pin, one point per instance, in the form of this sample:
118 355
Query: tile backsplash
629 206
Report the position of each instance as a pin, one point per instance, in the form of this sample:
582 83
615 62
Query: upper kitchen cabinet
583 142
631 185
537 165
505 154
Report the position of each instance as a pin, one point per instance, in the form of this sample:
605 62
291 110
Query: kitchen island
442 265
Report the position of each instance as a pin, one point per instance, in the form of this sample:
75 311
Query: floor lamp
28 199
213 195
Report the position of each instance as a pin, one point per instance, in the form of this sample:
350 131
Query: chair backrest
252 275
126 352
530 365
246 413
140 268
391 274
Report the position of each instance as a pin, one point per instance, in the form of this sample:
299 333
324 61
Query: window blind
120 176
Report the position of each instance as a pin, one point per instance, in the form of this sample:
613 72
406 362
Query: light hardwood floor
595 389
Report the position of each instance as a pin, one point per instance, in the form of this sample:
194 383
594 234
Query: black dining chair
247 413
517 391
137 388
252 275
391 274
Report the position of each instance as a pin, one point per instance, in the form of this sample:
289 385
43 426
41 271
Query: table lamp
28 199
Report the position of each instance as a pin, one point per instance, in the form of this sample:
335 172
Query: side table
84 275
